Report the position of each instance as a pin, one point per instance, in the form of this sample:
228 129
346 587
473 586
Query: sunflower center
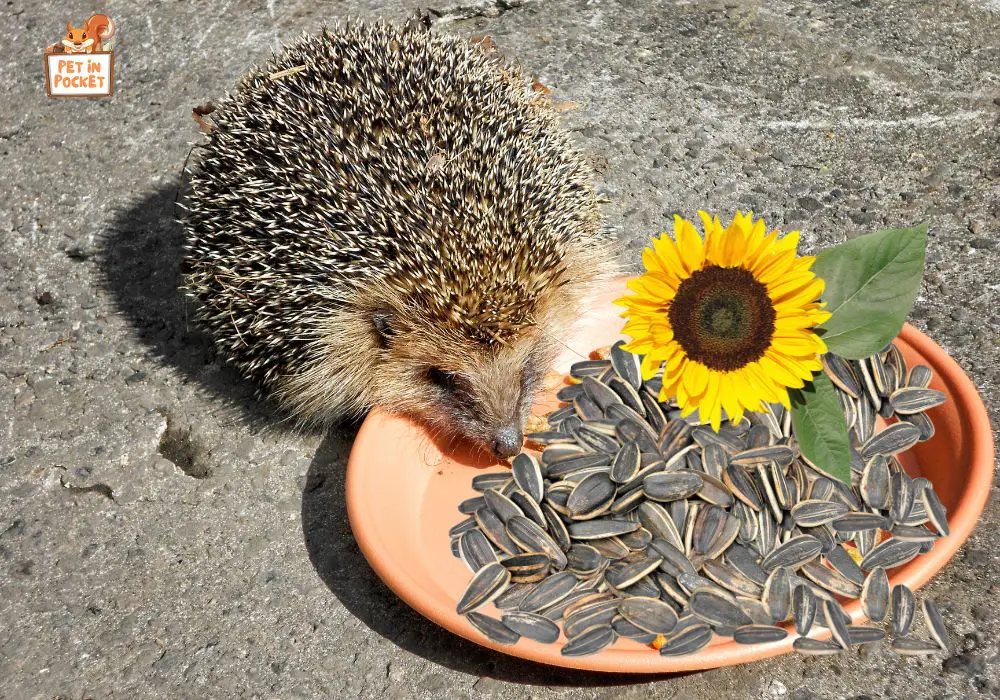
722 317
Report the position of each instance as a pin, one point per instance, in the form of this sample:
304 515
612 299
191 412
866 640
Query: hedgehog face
458 385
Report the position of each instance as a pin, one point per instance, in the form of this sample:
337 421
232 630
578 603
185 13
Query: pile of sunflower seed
634 522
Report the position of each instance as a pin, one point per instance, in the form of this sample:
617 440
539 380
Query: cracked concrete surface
164 535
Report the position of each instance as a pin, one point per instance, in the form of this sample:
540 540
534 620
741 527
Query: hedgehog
388 216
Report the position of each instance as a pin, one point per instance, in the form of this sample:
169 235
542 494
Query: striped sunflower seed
830 580
527 475
592 497
588 368
908 646
900 496
600 393
842 562
759 634
503 507
687 641
730 579
532 626
590 642
673 486
625 465
919 376
600 528
475 550
740 483
890 553
528 506
909 400
624 628
835 622
859 521
715 492
863 634
841 374
812 513
716 609
649 614
526 568
816 647
532 538
493 629
894 439
936 513
793 553
782 454
487 583
548 592
777 594
494 529
875 482
803 609
902 607
935 624
621 577
626 364
657 520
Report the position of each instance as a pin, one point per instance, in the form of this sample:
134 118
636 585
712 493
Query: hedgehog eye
84 35
380 321
448 381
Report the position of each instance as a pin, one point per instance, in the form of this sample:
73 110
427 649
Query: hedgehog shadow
345 571
140 266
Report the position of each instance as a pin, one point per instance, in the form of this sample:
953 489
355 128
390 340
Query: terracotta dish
403 490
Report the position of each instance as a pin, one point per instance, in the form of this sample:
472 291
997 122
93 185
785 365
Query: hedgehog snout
507 441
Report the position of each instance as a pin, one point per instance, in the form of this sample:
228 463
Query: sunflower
730 318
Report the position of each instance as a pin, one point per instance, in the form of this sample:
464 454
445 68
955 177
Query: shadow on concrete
344 570
140 264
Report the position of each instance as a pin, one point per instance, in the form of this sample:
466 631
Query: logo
83 63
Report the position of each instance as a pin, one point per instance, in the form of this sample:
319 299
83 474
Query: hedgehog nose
507 441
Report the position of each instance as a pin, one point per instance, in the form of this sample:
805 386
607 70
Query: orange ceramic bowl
403 491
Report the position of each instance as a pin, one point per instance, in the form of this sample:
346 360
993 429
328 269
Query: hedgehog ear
382 326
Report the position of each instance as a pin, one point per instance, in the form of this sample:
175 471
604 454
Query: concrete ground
163 535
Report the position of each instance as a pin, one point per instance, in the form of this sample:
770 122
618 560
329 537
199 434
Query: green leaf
819 425
871 283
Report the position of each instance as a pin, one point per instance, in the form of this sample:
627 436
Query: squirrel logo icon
93 36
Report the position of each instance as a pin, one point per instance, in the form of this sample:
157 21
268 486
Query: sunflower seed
894 439
556 527
812 513
528 475
793 553
630 397
875 482
532 538
625 465
759 634
671 487
914 533
816 647
673 560
687 641
767 532
462 527
475 550
528 506
659 523
591 497
626 364
841 374
890 553
610 547
590 642
835 622
782 454
936 513
502 506
596 615
902 607
583 559
548 592
901 496
908 646
859 521
621 577
649 614
532 626
862 634
868 383
923 423
601 394
830 580
624 628
494 529
493 629
777 594
919 376
600 528
935 624
557 610
597 600
596 441
654 414
568 466
493 480
803 609
569 393
588 368
526 568
742 486
842 562
715 492
639 432
909 400
471 505
716 609
487 583
512 596
730 579
549 437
